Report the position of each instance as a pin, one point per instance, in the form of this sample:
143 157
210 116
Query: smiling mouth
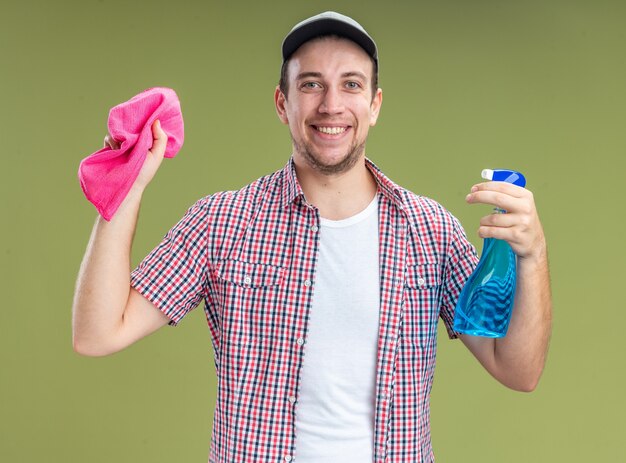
330 130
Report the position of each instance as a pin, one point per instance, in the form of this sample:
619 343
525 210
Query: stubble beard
345 164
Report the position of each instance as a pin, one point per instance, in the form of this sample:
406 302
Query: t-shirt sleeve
173 275
462 259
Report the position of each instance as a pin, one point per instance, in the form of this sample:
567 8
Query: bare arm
108 314
518 359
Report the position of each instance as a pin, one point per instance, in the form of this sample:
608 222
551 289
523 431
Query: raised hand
153 158
520 226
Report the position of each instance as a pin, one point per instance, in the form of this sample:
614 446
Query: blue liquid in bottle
485 305
486 302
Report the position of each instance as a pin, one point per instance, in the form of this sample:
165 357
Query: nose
332 102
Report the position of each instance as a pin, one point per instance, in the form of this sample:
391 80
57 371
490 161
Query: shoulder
434 230
419 209
422 210
239 201
225 214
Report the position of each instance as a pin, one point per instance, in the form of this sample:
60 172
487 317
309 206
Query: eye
352 85
310 85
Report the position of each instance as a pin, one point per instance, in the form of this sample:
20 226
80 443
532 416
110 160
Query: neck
337 196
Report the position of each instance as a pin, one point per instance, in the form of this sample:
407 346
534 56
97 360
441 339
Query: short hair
283 83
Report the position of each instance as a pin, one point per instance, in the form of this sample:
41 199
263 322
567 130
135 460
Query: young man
323 282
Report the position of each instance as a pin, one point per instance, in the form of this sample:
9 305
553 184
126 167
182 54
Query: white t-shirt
335 406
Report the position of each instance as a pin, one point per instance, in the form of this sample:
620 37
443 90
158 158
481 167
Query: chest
265 278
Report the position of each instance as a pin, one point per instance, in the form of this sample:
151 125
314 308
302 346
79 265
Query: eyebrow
306 75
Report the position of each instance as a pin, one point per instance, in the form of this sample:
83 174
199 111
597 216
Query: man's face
329 107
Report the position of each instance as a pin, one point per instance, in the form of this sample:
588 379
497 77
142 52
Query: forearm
103 283
520 356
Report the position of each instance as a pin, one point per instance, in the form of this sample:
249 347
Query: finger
159 139
111 142
501 200
508 234
501 187
499 220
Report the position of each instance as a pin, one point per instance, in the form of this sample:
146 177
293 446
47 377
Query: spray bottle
486 301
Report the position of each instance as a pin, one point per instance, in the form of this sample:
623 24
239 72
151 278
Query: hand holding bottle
485 304
520 226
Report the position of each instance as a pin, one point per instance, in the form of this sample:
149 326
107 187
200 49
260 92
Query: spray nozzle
504 175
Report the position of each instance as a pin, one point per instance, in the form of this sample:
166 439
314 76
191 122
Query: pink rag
107 175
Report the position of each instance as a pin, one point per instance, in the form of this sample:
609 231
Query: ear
375 106
279 102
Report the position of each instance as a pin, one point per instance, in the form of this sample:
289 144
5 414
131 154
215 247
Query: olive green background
537 86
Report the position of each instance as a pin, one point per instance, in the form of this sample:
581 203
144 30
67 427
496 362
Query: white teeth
332 130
